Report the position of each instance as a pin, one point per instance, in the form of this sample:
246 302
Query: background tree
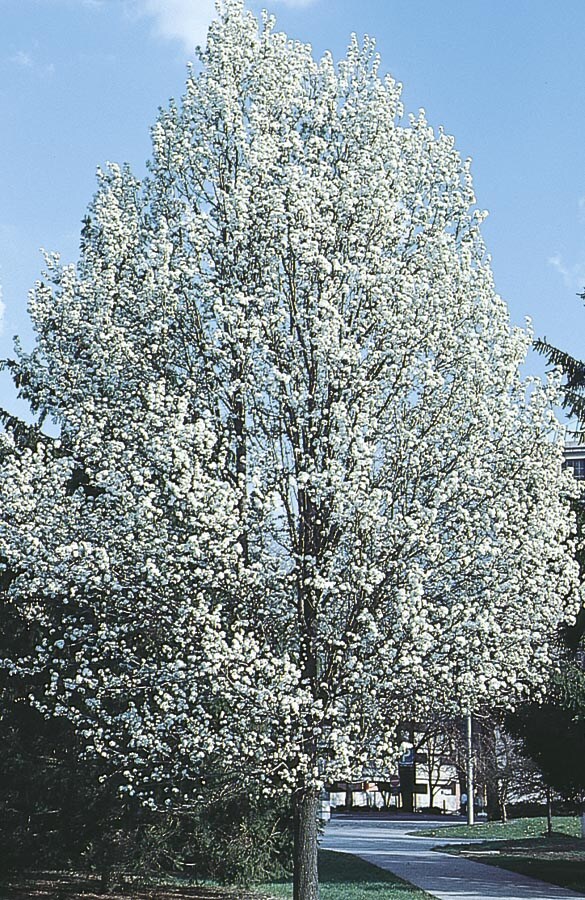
436 745
299 493
498 765
573 392
553 733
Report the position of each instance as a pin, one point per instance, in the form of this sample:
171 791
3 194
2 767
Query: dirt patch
58 886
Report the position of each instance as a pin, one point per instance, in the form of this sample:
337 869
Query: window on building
578 467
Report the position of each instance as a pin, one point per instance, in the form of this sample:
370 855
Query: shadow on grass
556 843
565 872
559 859
337 868
344 868
346 877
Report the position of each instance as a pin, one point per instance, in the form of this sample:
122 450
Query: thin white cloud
98 5
186 21
572 275
2 311
22 59
25 60
295 4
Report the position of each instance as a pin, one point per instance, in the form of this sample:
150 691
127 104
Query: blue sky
81 82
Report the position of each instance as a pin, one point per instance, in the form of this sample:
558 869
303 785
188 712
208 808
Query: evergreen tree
553 733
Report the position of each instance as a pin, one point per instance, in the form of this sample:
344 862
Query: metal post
470 784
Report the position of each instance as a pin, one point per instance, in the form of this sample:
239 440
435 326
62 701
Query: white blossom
300 491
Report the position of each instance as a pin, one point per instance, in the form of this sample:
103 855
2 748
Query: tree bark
406 775
493 800
549 823
105 874
305 875
349 798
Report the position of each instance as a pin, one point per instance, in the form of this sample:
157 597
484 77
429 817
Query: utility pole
470 784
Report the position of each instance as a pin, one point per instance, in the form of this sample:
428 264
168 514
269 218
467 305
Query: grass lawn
514 829
346 877
522 845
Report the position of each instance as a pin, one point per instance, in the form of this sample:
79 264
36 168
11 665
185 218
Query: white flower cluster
300 491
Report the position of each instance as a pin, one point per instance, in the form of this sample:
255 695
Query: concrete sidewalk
388 845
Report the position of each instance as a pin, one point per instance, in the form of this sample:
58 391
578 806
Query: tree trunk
305 875
105 874
493 799
406 775
349 798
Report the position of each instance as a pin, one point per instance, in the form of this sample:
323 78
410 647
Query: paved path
388 845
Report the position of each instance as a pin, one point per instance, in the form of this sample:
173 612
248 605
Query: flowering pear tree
300 491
